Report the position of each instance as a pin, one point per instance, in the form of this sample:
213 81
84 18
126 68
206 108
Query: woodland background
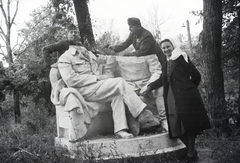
27 117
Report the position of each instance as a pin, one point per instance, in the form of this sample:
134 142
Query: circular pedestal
109 148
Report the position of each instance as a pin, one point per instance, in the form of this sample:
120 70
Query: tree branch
8 12
14 16
2 34
2 53
3 12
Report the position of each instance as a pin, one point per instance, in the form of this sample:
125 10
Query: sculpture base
110 148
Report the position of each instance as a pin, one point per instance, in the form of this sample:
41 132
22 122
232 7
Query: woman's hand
147 93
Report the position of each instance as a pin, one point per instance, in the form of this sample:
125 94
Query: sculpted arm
110 67
154 68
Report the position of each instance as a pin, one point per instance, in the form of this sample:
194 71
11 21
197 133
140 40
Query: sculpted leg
161 109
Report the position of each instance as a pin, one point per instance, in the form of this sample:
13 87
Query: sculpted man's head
134 24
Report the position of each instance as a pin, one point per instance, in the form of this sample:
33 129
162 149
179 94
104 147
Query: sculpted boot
147 119
133 124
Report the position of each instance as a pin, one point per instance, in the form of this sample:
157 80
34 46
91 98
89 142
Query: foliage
231 58
29 74
33 141
230 9
108 38
225 148
28 143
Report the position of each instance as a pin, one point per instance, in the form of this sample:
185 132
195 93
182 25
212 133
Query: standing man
142 41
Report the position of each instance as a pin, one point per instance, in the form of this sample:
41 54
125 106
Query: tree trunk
211 46
17 111
84 23
238 119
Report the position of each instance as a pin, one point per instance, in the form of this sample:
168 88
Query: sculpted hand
102 77
147 93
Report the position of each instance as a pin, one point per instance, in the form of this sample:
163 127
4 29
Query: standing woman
185 111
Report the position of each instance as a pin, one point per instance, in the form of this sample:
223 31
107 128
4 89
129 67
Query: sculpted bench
101 124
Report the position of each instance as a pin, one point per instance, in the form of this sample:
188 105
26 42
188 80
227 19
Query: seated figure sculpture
140 67
78 86
139 72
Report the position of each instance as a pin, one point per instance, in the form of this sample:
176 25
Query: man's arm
190 69
124 45
59 47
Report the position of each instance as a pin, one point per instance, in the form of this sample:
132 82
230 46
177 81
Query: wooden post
189 38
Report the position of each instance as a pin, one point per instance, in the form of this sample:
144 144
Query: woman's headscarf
177 52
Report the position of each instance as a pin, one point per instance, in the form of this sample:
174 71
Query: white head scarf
177 52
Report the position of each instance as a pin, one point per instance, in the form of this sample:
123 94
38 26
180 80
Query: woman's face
167 48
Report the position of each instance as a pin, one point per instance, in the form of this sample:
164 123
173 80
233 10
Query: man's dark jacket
59 47
143 43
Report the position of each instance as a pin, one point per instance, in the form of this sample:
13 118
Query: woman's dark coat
184 79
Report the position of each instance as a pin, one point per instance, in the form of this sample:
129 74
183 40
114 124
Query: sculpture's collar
73 49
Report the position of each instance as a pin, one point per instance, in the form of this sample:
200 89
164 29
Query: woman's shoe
184 156
189 159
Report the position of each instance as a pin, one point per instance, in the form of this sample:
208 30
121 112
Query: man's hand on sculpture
107 51
147 93
111 47
102 77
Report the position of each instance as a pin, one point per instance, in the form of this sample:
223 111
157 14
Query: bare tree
8 22
155 20
211 47
5 34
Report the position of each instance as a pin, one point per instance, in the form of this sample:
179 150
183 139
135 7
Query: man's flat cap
134 21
